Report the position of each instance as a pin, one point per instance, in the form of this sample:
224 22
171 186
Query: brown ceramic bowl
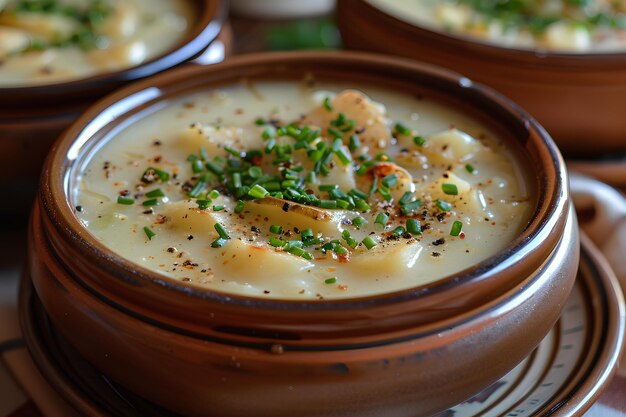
578 98
32 117
408 353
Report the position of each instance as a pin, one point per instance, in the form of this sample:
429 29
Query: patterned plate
562 377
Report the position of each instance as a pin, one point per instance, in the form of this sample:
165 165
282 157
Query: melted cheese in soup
51 41
286 190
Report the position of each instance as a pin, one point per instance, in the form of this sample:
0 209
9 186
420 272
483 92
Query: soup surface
303 190
568 26
50 41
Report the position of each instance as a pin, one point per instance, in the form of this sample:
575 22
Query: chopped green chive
402 129
327 104
369 242
412 207
197 189
382 219
125 200
295 250
155 193
237 180
456 228
214 168
260 122
149 232
330 280
221 231
384 192
373 186
293 131
312 242
344 204
151 202
450 189
294 243
203 204
277 243
258 192
276 229
213 194
405 198
218 208
419 140
390 180
197 166
255 172
270 145
398 231
343 157
470 168
327 187
444 205
272 186
358 193
328 204
307 234
203 154
233 152
219 242
348 126
334 133
339 249
354 143
240 206
349 239
361 205
413 226
359 222
340 120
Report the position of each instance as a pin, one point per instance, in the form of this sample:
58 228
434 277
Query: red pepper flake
256 160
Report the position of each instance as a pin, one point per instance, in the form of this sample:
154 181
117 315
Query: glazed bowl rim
58 168
536 56
211 15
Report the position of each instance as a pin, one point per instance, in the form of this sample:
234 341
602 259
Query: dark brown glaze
408 353
578 98
94 395
32 117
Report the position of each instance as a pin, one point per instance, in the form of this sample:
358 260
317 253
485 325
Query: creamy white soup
50 41
303 191
570 26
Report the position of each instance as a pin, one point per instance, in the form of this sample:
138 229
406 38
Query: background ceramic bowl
408 353
32 117
578 98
